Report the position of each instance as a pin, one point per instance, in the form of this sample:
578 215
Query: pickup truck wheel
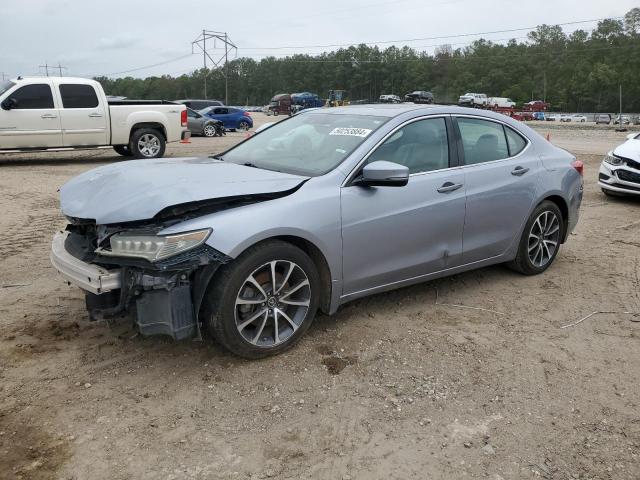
122 150
263 302
147 143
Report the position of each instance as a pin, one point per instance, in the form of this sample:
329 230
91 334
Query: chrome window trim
504 124
349 178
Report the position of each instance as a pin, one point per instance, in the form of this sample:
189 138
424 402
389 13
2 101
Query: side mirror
9 103
384 174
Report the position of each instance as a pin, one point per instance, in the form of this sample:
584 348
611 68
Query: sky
142 38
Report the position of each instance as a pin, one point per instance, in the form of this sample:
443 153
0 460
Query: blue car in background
232 118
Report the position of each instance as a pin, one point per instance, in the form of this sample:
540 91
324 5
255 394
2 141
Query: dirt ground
466 377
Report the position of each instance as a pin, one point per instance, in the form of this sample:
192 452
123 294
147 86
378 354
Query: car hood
629 149
139 189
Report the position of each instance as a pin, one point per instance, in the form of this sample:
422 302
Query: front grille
628 176
632 163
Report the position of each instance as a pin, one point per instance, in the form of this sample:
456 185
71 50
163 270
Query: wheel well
321 264
564 210
154 125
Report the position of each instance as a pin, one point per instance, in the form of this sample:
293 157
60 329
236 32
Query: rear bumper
88 277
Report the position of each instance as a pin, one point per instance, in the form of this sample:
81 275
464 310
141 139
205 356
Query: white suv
473 99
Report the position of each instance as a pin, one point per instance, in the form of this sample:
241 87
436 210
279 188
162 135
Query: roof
395 109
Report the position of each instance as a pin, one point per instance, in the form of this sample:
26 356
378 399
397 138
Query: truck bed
141 102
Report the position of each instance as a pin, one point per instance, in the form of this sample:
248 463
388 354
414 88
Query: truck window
35 96
78 96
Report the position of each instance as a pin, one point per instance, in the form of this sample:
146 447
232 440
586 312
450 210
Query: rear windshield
4 86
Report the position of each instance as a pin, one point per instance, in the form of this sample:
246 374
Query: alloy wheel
544 238
243 126
272 303
209 131
149 145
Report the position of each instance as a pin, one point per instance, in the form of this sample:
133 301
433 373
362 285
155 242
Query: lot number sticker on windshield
351 132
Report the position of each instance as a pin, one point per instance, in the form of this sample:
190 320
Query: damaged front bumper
165 296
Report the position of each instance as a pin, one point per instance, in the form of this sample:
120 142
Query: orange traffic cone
548 137
186 140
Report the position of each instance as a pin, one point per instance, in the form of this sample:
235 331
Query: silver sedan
311 213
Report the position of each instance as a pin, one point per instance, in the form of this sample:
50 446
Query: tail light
183 117
246 114
579 166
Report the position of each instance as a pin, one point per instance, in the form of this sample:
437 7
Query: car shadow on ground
90 158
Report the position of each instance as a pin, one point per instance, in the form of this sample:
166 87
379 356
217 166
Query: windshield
311 144
4 86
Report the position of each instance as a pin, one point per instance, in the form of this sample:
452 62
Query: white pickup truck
59 113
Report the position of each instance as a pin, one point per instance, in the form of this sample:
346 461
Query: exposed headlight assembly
611 159
153 247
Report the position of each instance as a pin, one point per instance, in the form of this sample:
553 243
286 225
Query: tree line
581 71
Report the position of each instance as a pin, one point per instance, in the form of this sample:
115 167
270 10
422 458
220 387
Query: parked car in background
48 113
552 118
473 100
539 116
232 118
390 99
565 118
578 118
419 96
326 207
200 124
198 105
603 119
501 102
535 106
620 170
626 120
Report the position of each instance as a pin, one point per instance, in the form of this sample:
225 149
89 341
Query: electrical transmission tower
53 67
201 43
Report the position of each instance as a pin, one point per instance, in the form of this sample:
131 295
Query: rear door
82 114
501 175
33 121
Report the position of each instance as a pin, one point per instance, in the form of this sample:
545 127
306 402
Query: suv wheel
540 240
147 143
262 303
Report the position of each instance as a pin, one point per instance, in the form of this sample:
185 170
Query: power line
405 40
147 66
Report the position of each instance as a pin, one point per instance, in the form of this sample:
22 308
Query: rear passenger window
33 96
78 96
515 141
483 140
422 146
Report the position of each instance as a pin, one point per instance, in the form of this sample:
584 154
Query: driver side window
421 146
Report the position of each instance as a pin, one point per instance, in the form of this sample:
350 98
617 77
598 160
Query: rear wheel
262 303
147 143
123 150
540 240
243 125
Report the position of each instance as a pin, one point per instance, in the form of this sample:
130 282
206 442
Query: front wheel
147 143
540 241
209 130
262 303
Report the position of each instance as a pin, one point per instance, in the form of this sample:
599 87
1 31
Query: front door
391 234
83 116
501 174
32 121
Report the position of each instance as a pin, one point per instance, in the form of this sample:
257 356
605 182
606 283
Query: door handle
48 115
95 115
449 187
518 171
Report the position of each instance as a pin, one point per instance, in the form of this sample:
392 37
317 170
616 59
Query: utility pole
60 68
620 124
544 87
46 68
201 43
4 76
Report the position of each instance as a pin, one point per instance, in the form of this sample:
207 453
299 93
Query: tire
147 143
122 150
243 126
275 113
542 256
209 130
241 327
